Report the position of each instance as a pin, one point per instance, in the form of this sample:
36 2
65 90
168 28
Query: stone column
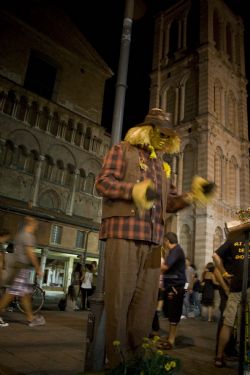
179 34
2 101
72 194
44 255
37 178
237 186
176 111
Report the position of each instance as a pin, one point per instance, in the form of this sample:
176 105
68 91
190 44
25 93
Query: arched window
59 172
43 119
217 99
22 156
216 30
232 181
82 180
9 103
79 133
54 124
69 175
170 105
218 167
47 168
87 138
31 161
191 97
22 108
69 131
173 38
89 186
33 114
231 112
8 153
229 41
188 167
49 199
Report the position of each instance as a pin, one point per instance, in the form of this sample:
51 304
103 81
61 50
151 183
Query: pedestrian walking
4 237
26 259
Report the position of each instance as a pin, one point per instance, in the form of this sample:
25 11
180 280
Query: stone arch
218 88
62 152
25 137
92 165
49 199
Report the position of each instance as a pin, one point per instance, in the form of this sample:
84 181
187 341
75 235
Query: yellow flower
116 343
173 364
145 339
159 352
142 373
166 168
156 338
167 366
145 346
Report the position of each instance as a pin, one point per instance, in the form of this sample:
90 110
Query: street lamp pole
96 353
121 83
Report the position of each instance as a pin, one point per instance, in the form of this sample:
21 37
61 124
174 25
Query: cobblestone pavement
59 347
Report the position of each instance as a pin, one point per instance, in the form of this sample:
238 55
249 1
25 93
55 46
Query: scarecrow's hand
143 194
202 190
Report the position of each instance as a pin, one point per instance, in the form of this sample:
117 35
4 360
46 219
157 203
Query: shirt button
132 212
153 206
138 181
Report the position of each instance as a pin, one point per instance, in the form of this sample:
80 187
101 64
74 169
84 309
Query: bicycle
37 299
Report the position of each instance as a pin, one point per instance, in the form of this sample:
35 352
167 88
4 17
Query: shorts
232 307
21 285
174 296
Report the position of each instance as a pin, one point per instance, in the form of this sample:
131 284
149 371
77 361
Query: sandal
165 345
219 362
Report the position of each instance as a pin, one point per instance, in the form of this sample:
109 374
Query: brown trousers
132 271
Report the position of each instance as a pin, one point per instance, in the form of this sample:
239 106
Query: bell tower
198 74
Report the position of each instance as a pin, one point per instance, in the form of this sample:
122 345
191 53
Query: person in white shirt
86 286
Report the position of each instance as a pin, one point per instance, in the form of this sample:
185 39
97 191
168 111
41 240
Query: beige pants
132 271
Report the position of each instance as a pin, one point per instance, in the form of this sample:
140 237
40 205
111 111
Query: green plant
151 361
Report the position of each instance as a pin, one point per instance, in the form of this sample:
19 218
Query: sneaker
3 324
37 321
183 317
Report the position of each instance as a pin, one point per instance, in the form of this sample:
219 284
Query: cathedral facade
198 74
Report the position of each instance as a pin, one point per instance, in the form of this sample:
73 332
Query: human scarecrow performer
135 184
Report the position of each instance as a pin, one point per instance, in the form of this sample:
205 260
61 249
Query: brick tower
198 74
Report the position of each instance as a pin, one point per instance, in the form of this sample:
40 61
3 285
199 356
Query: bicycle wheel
37 299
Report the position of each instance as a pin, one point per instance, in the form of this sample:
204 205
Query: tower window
40 76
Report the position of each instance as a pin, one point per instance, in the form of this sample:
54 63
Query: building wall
200 77
51 148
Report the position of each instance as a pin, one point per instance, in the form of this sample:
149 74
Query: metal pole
96 352
243 305
121 83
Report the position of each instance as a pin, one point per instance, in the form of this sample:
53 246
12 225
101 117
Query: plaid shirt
149 226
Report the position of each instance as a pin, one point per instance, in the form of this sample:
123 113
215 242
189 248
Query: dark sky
101 23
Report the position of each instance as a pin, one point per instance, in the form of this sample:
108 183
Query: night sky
101 23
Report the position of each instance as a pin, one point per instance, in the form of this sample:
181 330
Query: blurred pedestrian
4 237
188 290
76 282
86 286
26 259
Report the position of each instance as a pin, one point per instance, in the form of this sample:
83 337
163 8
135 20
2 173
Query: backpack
62 304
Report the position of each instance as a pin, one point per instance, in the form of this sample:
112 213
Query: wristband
225 274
